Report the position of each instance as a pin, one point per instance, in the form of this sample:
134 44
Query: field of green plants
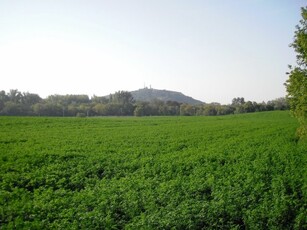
243 171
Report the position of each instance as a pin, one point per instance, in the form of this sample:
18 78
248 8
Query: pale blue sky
212 50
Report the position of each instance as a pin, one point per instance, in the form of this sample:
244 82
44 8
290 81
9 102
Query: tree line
121 103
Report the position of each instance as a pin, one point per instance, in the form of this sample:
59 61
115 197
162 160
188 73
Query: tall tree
297 83
15 96
238 101
122 103
30 98
3 99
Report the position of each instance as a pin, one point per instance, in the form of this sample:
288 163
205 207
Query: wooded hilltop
121 103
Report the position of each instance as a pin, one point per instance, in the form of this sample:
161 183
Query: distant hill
149 94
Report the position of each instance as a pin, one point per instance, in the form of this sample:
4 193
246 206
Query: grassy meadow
243 171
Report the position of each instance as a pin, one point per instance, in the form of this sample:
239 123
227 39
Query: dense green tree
84 108
249 107
238 104
97 99
173 107
224 110
15 96
99 109
139 110
3 99
187 110
12 108
210 110
297 83
122 97
238 101
30 98
279 104
144 108
37 108
47 108
157 107
122 103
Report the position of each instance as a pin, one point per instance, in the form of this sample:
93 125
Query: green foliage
122 103
297 96
233 172
297 83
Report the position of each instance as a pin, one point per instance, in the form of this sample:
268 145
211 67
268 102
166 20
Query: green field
232 172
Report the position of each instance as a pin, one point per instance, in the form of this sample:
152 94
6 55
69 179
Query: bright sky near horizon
211 50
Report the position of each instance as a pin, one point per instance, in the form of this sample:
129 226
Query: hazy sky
212 50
